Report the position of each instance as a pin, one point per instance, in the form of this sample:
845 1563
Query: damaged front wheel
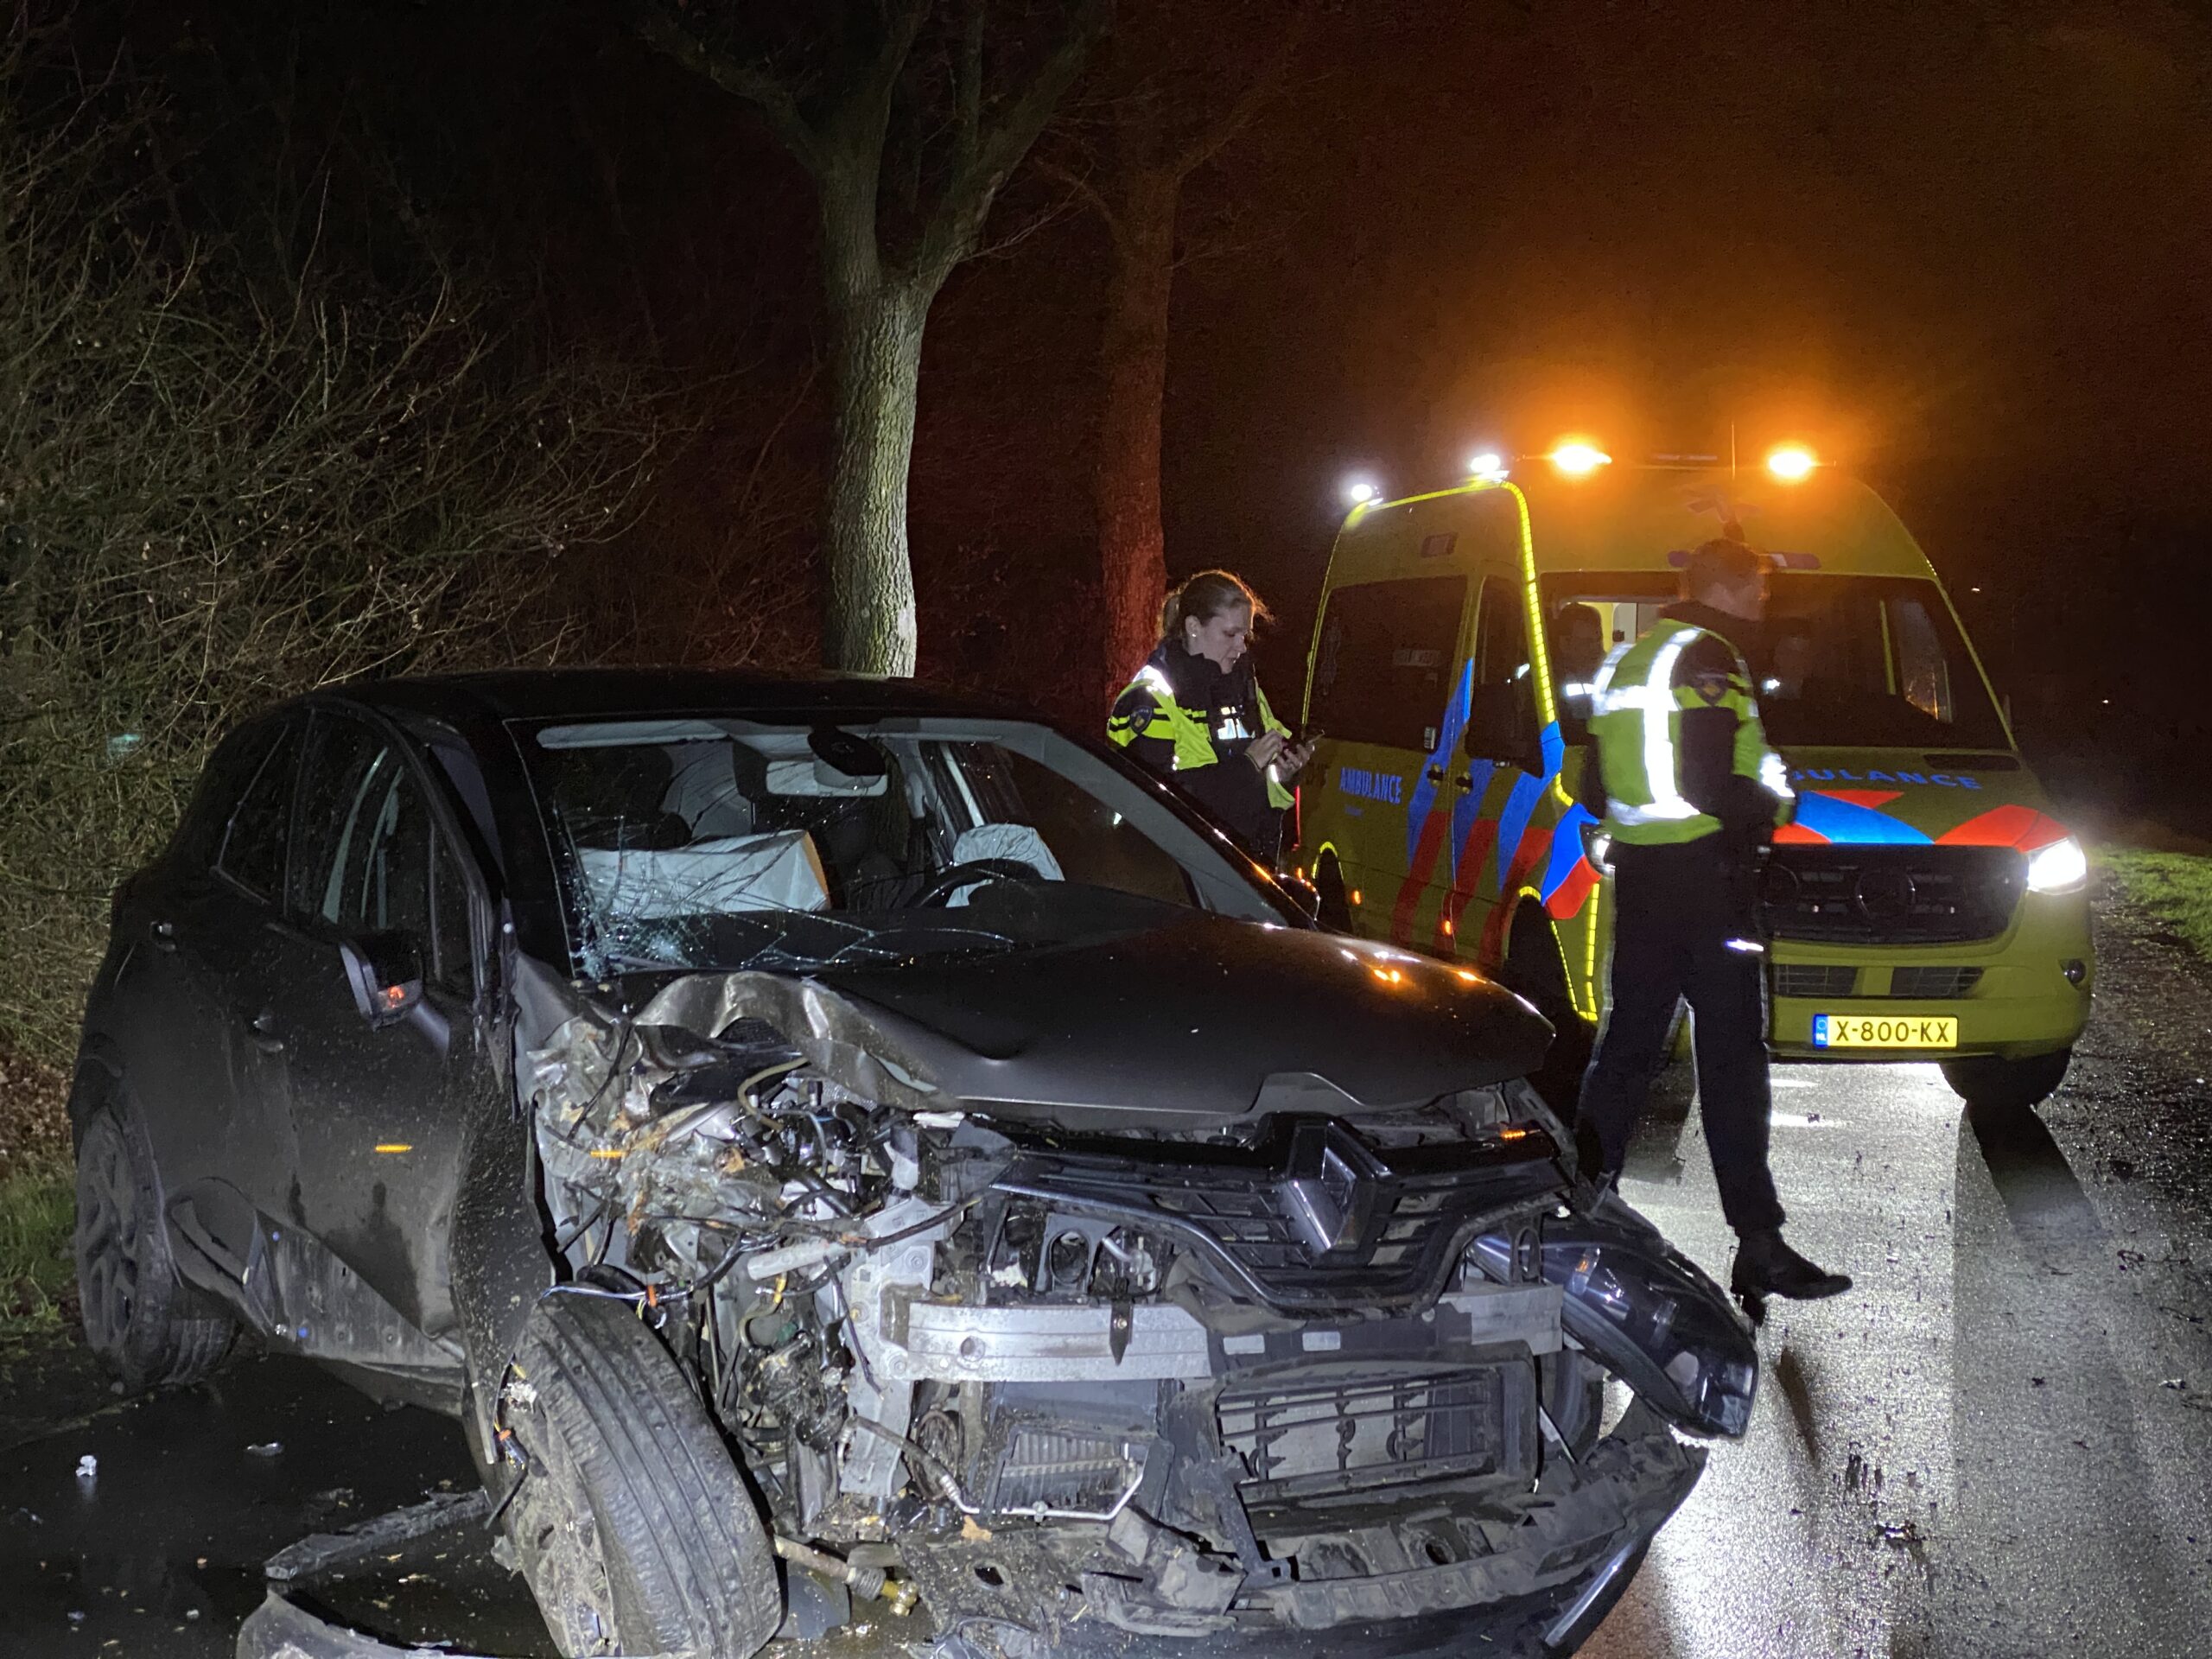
633 1525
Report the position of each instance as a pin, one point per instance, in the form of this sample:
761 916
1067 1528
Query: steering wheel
950 880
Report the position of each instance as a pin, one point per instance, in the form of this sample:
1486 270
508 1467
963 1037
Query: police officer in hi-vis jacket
1195 712
1689 791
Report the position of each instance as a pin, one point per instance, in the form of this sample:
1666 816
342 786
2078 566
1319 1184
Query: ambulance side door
1501 776
1388 690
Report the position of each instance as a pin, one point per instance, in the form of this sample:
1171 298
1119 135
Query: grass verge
2175 887
38 1273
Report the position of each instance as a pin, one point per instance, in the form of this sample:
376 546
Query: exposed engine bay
1296 1369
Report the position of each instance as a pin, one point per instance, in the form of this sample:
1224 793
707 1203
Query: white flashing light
1361 491
2062 867
1792 463
1579 460
1489 464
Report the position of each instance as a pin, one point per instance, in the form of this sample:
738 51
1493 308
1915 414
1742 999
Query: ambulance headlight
2062 867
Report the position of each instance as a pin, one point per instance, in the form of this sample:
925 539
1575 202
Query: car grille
1312 1219
1329 1435
1826 980
1934 984
1892 895
1809 979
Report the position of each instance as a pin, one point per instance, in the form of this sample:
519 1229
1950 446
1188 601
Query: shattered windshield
1839 662
699 843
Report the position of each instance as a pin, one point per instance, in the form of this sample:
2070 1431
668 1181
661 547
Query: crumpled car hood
1208 1019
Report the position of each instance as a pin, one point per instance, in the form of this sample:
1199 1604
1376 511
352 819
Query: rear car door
376 1110
180 1011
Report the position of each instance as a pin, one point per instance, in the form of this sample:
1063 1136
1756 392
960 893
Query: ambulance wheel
1336 903
1536 972
2000 1086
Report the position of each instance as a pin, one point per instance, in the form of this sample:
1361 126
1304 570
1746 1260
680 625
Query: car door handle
1435 774
164 934
1465 780
263 1029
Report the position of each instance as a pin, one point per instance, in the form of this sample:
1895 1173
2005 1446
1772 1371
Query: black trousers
1676 910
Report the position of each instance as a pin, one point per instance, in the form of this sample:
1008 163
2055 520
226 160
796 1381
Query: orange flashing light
396 1146
1792 463
1578 458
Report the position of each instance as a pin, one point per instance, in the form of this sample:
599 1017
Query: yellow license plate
1884 1031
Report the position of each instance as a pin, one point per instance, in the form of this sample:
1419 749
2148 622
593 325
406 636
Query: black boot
1766 1266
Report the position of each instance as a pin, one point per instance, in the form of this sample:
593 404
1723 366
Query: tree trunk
868 624
1133 363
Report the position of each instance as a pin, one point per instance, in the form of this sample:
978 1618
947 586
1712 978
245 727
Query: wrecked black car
845 1155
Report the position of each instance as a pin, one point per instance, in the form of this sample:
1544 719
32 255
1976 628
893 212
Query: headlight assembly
1648 1314
2062 867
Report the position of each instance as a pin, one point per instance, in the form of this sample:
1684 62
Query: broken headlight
1648 1314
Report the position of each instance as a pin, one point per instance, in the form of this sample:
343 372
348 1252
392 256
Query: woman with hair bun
1195 712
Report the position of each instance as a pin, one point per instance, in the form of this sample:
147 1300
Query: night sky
1962 248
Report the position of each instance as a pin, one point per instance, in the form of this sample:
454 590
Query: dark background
1964 250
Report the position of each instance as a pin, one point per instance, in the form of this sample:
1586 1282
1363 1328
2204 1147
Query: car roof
1632 518
584 693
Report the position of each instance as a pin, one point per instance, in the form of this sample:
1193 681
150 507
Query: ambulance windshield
1840 661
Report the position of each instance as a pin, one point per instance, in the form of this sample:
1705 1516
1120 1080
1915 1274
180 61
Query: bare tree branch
754 82
214 502
958 221
1081 184
1207 142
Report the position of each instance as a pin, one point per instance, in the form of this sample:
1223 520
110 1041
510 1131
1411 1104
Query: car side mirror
1502 726
385 973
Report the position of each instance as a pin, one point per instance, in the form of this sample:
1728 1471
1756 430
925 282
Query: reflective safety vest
1636 715
1186 729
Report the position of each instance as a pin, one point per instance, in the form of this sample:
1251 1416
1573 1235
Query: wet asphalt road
2000 1444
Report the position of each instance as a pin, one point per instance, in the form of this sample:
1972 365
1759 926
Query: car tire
140 1319
1335 913
1534 971
2000 1086
633 1525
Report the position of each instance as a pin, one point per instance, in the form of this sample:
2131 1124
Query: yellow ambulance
1923 905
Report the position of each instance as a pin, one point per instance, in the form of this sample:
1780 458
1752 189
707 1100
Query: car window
1868 659
1383 663
367 846
1088 841
341 754
694 842
455 967
1923 672
380 876
1501 635
252 853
